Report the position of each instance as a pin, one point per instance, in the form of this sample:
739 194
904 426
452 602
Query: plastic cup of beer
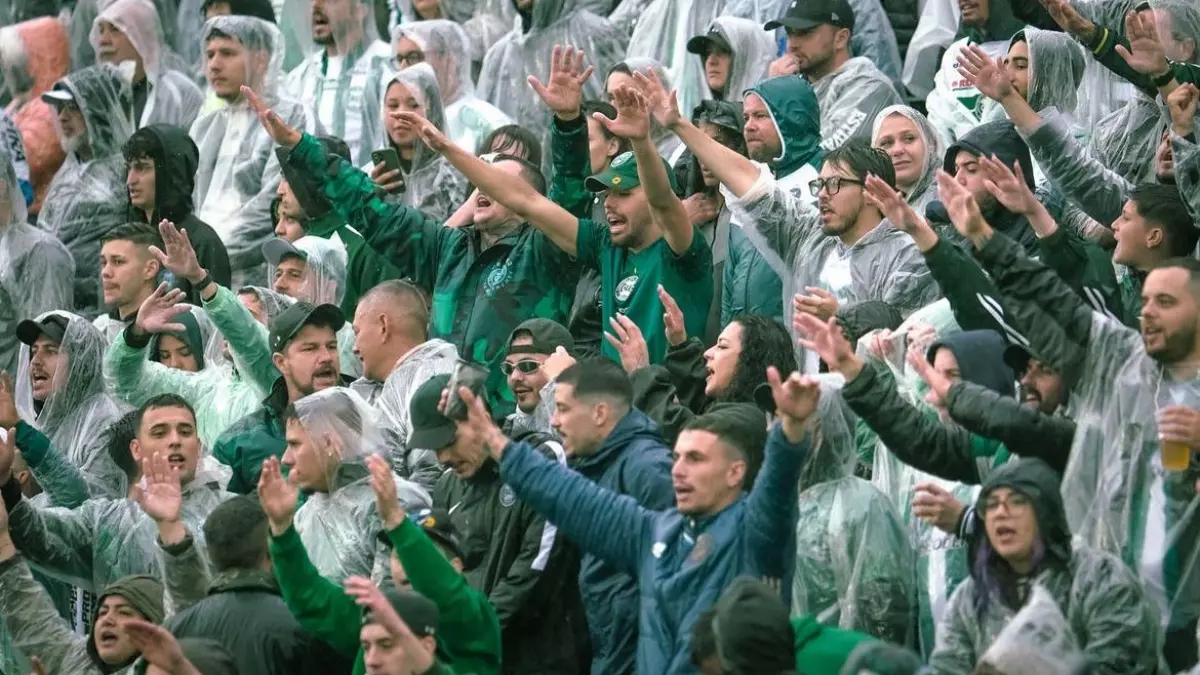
1175 456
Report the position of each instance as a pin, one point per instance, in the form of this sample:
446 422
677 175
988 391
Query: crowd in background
599 336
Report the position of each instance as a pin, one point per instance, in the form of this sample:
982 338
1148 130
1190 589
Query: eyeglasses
1016 504
832 184
527 366
408 58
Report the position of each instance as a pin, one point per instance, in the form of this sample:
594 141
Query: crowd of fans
599 336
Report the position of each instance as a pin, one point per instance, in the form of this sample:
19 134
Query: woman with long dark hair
1028 542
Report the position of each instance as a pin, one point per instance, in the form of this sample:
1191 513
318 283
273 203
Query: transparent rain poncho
1125 140
173 97
340 527
1036 640
78 411
526 51
854 563
340 93
447 49
419 365
238 172
485 21
924 191
661 33
26 253
753 51
433 186
325 283
850 100
86 198
669 146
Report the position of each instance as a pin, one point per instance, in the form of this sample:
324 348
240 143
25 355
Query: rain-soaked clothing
662 31
479 295
84 200
432 185
526 50
76 414
1102 600
1146 522
27 254
447 48
238 173
925 190
36 56
164 95
955 106
851 97
753 50
12 148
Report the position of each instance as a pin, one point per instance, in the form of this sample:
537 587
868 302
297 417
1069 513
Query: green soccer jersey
630 281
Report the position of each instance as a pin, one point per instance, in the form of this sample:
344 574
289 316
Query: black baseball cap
436 525
703 44
291 320
547 337
431 430
275 250
52 326
416 610
806 14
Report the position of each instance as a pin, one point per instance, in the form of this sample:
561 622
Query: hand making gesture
563 91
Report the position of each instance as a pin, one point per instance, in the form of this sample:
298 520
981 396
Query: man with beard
1134 394
340 82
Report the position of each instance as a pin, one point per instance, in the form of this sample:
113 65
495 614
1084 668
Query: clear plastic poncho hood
324 270
448 48
925 191
339 527
174 99
26 253
78 411
1056 64
753 50
661 33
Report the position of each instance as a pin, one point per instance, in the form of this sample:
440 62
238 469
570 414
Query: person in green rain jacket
486 278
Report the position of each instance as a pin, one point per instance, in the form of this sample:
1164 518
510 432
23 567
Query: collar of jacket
626 431
232 581
488 473
693 526
277 401
347 473
507 240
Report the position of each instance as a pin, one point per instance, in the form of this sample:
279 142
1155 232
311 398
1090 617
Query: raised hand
390 180
825 338
1181 103
556 363
280 131
892 205
180 255
701 209
784 65
368 596
38 667
8 401
429 133
162 496
939 383
633 116
563 92
481 422
673 324
1146 53
158 311
663 105
1008 186
629 342
391 511
818 302
157 646
935 505
796 400
962 207
1069 19
989 76
277 496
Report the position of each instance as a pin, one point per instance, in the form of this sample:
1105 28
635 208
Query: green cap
431 430
622 174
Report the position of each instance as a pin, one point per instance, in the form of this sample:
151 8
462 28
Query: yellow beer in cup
1175 456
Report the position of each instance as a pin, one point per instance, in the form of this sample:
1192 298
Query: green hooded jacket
797 117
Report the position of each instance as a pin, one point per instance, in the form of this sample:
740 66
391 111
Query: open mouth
108 638
482 202
1005 532
39 378
682 490
176 460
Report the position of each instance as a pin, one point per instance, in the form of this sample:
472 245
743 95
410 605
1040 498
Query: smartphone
390 160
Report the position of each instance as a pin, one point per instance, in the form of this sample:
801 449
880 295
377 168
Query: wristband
1166 78
203 283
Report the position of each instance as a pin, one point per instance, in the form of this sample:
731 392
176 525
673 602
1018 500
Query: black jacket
672 393
525 568
1026 431
175 160
245 613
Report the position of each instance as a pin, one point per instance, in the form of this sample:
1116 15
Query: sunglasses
527 366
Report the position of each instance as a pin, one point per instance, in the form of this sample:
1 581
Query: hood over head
34 55
255 35
12 196
998 138
1002 23
139 21
103 95
422 84
175 161
832 455
447 50
752 50
1035 479
325 266
933 147
980 356
1056 65
84 346
200 335
545 13
341 416
143 591
797 116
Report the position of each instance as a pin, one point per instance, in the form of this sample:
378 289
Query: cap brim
702 44
792 22
433 438
274 250
57 96
603 181
28 331
330 315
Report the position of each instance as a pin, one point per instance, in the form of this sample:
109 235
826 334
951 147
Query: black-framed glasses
832 184
526 366
408 59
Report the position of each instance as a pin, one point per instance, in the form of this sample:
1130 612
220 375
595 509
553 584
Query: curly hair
764 343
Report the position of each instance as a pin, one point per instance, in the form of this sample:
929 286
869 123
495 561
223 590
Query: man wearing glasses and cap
538 350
